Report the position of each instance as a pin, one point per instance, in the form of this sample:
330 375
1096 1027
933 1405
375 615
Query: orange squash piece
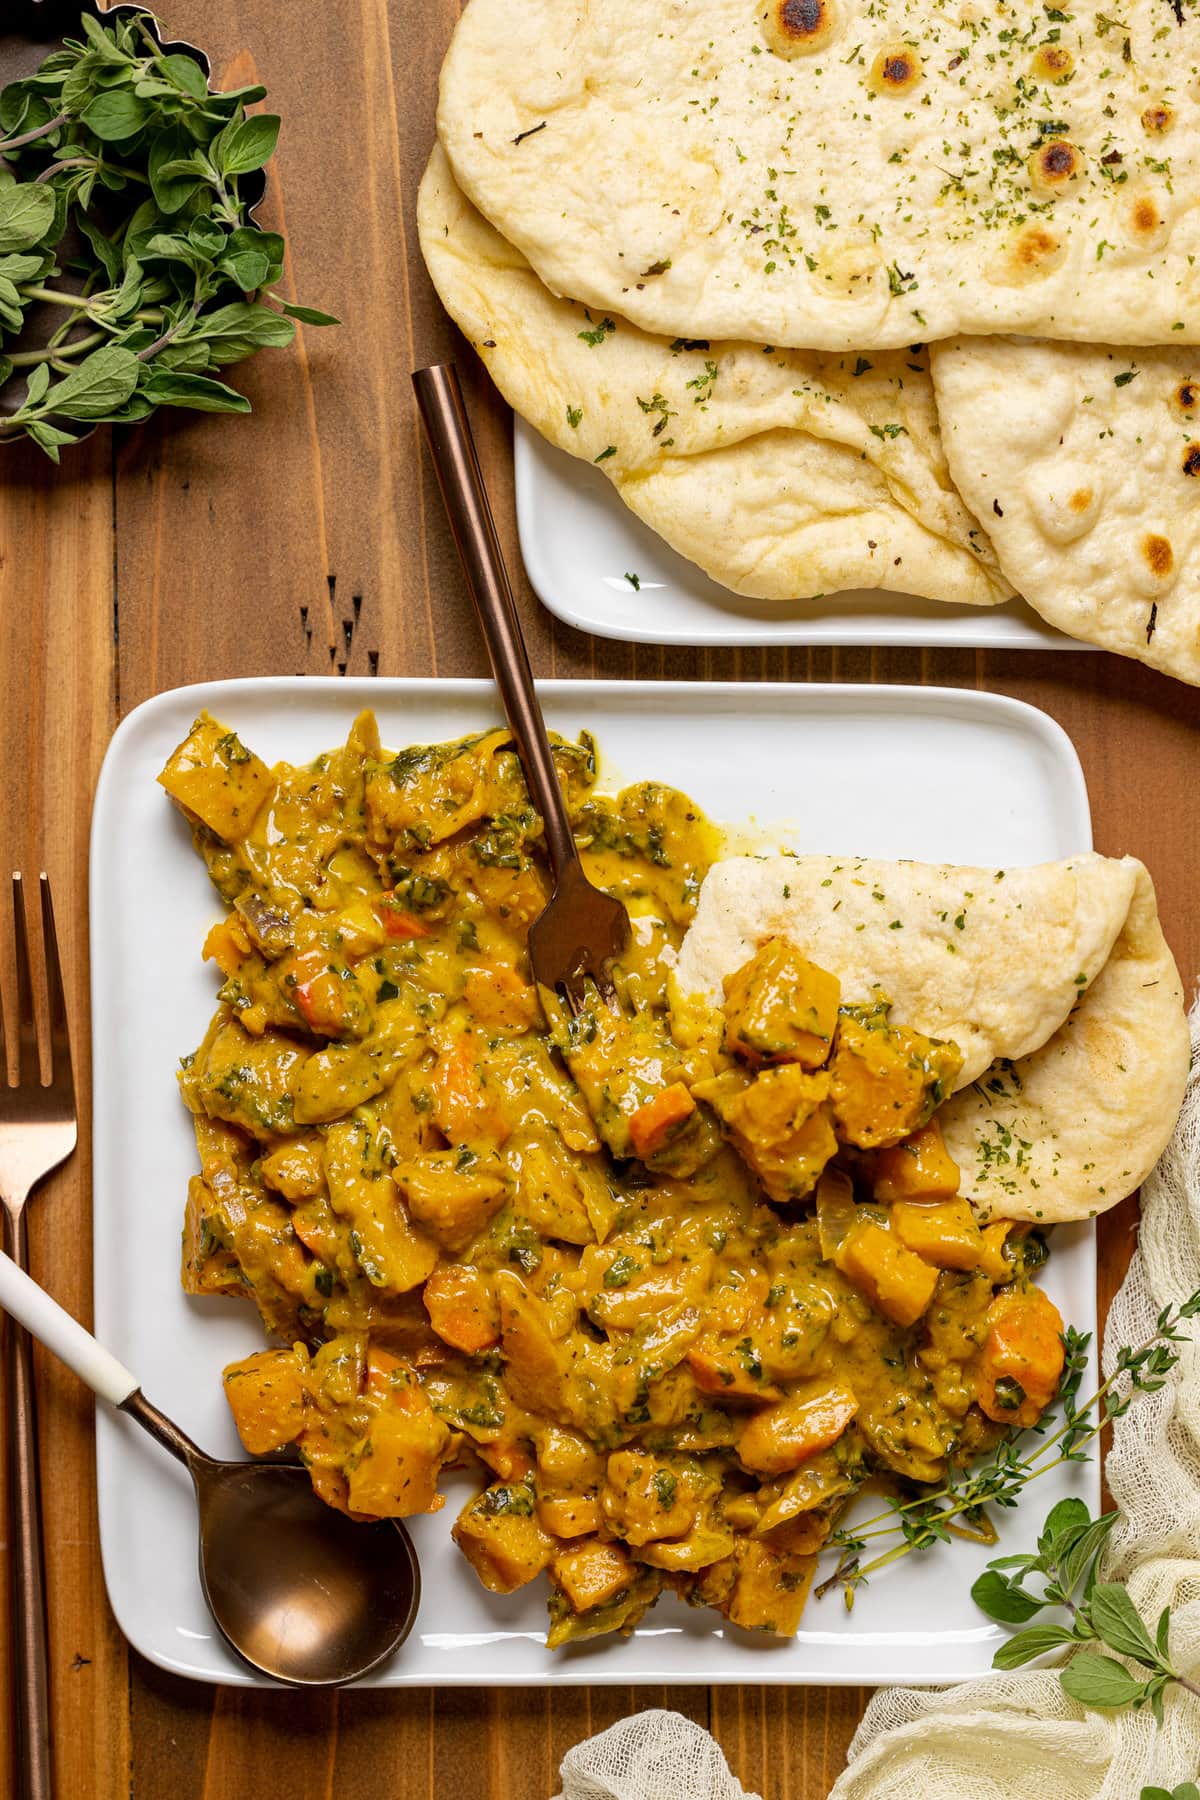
919 1168
1022 1358
654 1123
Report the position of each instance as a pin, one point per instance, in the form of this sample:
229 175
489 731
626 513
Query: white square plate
930 773
580 542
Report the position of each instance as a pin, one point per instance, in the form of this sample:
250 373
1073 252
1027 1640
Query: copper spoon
301 1592
582 929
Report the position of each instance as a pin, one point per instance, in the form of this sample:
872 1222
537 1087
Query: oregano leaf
1069 1515
102 382
26 214
1101 1682
39 381
1025 1645
1004 1600
250 144
116 115
307 315
186 74
1119 1623
170 387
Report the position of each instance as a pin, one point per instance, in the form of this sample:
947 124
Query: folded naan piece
841 173
1055 982
782 474
1085 462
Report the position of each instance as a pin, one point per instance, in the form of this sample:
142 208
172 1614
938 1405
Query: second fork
37 1132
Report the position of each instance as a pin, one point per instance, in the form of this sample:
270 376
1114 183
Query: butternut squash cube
1022 1359
462 1308
592 1572
452 1193
886 1080
919 1168
393 1472
501 1539
214 777
779 1007
779 1123
266 1394
769 1590
943 1232
896 1282
569 1515
297 1169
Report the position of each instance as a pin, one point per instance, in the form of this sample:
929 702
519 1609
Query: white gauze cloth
1018 1736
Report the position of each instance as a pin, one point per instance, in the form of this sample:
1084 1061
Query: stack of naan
852 293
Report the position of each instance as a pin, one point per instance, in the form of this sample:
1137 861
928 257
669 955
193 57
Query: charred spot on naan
1145 221
1053 62
1157 119
1055 165
1064 500
1186 398
1034 252
797 27
1154 569
895 70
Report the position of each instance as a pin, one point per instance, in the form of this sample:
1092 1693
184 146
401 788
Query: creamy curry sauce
676 1286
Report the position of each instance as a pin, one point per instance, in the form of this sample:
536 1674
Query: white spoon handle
46 1319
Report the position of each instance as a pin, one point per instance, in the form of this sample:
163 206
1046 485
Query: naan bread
842 173
1054 981
781 475
1072 1129
1085 462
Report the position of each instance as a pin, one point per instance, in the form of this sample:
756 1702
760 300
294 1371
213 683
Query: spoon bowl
301 1592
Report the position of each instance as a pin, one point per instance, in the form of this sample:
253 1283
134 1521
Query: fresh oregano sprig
1063 1577
1187 1790
958 1508
121 206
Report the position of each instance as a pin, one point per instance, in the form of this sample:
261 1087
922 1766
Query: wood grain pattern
307 538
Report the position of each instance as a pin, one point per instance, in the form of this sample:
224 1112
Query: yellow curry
675 1288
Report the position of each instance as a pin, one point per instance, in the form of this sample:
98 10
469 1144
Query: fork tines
21 1060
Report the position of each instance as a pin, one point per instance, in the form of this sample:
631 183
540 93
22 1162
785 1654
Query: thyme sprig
958 1508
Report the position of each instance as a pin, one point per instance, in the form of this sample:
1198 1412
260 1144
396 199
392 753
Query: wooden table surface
309 538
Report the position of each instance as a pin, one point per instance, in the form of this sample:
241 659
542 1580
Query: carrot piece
381 1366
463 1110
398 922
784 1436
652 1124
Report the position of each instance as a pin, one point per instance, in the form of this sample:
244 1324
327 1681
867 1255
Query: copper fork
582 929
37 1133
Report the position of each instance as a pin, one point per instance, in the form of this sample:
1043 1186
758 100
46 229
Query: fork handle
31 1687
456 464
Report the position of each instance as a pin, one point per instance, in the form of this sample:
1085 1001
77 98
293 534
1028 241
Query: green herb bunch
120 204
958 1508
1062 1577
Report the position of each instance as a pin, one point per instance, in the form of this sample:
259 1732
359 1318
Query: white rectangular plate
580 543
929 773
